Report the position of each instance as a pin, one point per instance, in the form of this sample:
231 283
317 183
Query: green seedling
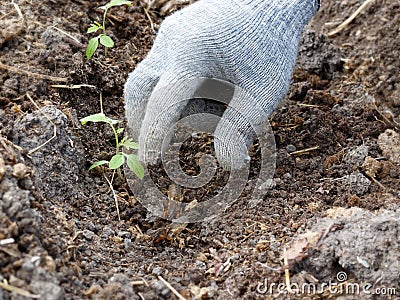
102 38
119 157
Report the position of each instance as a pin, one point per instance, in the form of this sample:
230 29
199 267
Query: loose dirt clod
371 166
20 170
389 142
10 29
2 167
362 244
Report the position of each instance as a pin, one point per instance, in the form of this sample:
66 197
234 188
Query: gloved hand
250 43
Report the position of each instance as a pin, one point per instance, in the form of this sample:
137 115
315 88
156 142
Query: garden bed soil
333 208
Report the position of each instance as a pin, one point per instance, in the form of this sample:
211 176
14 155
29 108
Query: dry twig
350 19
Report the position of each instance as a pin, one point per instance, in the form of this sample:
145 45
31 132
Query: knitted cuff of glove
260 3
296 13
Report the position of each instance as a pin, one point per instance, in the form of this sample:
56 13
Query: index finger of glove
164 109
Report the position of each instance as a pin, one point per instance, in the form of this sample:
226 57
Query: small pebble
107 232
291 148
128 243
287 176
157 271
126 234
356 156
88 235
48 263
268 185
363 262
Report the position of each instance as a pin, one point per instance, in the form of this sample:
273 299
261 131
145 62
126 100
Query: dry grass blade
28 73
141 296
287 273
350 19
54 126
18 10
10 252
115 196
138 282
304 151
166 6
72 87
174 291
67 34
309 105
150 20
7 241
18 290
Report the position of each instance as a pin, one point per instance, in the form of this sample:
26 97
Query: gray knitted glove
252 44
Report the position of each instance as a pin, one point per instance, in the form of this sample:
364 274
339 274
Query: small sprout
119 158
99 163
103 38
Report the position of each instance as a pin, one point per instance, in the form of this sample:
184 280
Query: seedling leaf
119 130
96 118
93 28
116 3
112 121
106 41
91 47
98 163
129 144
135 166
116 161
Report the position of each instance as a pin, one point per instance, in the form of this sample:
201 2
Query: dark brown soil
67 241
